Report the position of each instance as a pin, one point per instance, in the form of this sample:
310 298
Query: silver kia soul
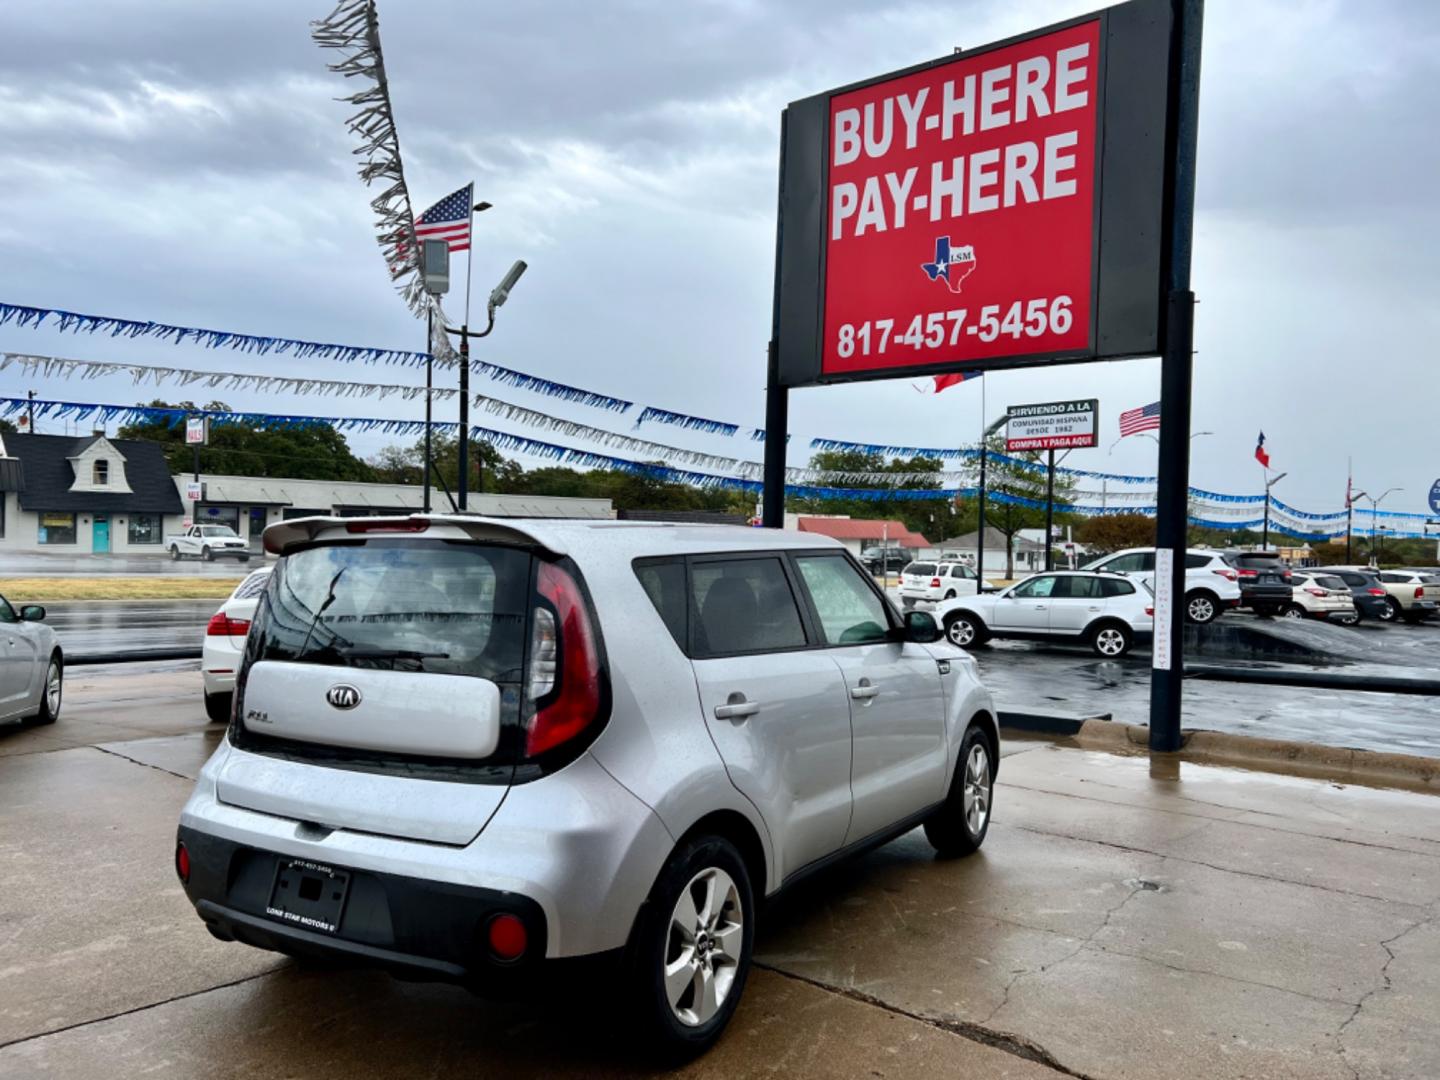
465 748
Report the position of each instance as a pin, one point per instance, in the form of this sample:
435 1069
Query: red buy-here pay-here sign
962 209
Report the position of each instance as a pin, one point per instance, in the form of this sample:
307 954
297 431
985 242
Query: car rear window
1329 581
252 586
1195 562
400 605
664 582
1255 560
920 569
1116 587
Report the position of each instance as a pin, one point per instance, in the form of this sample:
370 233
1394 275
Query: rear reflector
506 937
221 625
182 863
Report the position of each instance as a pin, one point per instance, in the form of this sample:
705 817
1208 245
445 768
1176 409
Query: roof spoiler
282 536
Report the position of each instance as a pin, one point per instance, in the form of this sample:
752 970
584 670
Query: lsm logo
952 265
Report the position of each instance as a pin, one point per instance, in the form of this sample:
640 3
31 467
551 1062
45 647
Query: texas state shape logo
951 265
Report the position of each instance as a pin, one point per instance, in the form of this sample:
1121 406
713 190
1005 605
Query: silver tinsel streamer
147 374
353 27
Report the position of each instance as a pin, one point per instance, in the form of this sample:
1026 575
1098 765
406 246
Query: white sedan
32 668
1108 612
225 641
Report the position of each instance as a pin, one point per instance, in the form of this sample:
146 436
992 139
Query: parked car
32 665
1320 596
463 748
1265 585
891 561
225 643
938 581
207 542
1371 600
1211 584
1106 611
1412 595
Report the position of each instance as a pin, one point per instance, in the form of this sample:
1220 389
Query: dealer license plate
308 895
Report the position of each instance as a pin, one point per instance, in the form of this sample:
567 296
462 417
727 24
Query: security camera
501 292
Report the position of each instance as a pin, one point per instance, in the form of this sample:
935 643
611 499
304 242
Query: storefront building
88 494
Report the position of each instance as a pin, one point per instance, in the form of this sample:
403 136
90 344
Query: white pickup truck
209 542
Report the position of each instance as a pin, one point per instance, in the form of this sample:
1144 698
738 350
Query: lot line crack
1384 987
144 764
139 1008
1015 1045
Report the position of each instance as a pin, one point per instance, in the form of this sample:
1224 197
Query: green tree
490 470
318 452
1112 532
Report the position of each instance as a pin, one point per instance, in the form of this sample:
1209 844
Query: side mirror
32 613
921 628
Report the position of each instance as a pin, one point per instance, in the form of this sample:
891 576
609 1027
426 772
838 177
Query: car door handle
864 691
1094 607
736 708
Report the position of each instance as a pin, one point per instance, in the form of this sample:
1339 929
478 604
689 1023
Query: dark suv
1265 584
1365 590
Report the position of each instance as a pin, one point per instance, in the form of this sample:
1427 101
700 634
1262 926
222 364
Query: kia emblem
343 696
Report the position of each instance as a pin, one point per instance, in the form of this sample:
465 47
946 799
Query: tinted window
1328 582
1077 588
1394 579
664 582
743 605
252 586
1115 587
1255 560
921 569
962 572
400 605
1132 563
1036 587
1195 562
218 530
850 612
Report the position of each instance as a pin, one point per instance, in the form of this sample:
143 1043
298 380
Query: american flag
448 219
1143 419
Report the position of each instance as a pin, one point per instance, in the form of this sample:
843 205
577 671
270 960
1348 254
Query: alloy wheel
53 689
976 798
1293 612
1110 641
960 632
702 953
1201 610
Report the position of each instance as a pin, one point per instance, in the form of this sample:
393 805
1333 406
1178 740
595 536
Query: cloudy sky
186 162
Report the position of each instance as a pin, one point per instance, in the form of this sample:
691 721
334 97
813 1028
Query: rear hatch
1262 574
917 577
393 684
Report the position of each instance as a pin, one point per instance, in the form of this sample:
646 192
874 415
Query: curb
1256 752
1315 680
131 656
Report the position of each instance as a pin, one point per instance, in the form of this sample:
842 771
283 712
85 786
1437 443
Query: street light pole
1374 514
1265 534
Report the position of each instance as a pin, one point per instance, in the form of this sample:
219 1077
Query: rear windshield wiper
361 653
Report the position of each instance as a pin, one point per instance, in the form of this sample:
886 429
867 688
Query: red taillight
1246 573
1227 574
221 625
934 583
1377 591
1149 610
1419 592
564 672
1316 592
506 937
375 525
182 863
1285 574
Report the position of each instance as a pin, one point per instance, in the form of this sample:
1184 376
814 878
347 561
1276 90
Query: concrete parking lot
1125 919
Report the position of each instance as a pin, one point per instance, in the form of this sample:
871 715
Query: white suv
463 748
1211 584
1106 611
938 581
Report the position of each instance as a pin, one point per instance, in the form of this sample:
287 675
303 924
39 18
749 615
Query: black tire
952 829
1349 620
1111 640
1202 607
1293 611
1392 610
174 553
207 554
47 713
956 632
217 707
244 558
653 944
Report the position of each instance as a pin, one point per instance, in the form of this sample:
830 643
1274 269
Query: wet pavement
46 564
87 627
1125 919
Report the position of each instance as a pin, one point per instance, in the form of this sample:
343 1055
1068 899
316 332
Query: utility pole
1265 531
30 409
429 399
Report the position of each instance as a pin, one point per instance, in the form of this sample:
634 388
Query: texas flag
943 382
1260 455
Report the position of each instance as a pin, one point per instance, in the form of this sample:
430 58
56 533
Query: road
110 626
1124 920
50 564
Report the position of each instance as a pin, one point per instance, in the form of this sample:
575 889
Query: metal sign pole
777 396
1167 666
1050 512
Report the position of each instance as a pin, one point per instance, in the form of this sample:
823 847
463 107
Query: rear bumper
413 928
1372 607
